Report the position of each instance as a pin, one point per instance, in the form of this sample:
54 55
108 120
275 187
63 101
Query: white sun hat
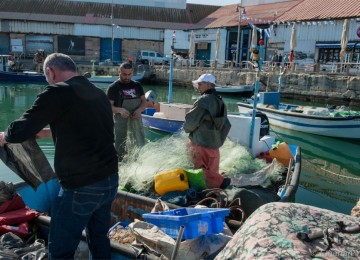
205 78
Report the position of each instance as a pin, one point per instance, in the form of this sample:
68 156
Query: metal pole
170 79
178 242
112 31
256 91
238 35
171 68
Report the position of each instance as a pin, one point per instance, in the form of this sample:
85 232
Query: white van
145 56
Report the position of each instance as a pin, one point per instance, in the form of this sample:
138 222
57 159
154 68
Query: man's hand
123 112
137 114
2 139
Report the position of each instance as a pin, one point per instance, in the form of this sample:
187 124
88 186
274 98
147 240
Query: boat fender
282 153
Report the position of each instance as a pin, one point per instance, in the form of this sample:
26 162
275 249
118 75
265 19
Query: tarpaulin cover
28 161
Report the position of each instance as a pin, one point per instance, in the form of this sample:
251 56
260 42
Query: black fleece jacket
80 119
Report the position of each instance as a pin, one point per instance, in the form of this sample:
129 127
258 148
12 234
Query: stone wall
332 89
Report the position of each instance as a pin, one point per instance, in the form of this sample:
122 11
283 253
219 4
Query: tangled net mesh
139 166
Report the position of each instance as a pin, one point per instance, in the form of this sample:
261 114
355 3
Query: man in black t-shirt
128 101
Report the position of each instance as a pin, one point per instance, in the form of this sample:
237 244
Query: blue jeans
86 208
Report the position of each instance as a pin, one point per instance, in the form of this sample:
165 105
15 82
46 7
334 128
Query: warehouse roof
100 13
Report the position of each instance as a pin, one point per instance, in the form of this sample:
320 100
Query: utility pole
171 66
239 10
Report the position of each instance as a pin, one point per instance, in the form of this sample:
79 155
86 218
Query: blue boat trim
273 111
311 125
162 124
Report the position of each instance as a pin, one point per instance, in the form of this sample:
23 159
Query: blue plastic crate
197 221
123 224
150 111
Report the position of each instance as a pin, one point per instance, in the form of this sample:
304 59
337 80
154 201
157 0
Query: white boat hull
111 79
341 127
234 89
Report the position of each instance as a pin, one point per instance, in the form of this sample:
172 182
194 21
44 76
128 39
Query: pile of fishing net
138 168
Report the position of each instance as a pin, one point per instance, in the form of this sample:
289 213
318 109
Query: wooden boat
231 89
313 120
128 206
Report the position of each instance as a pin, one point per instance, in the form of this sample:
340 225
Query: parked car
145 56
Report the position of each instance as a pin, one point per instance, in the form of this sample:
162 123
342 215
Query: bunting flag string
267 31
309 23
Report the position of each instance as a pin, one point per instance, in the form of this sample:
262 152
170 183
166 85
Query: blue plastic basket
197 221
123 224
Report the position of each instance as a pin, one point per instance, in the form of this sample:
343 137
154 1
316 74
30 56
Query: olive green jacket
207 122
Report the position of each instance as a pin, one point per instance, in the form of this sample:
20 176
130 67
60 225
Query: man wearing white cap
208 126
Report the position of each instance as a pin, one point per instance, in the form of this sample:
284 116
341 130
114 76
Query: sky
213 2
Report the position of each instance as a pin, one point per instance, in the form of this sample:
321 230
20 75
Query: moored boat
18 75
24 76
110 79
235 89
313 120
170 118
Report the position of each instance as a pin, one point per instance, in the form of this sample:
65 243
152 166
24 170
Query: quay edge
329 88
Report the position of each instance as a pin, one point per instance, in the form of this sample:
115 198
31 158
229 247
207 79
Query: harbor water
330 176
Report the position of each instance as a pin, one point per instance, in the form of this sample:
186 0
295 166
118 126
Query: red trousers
207 159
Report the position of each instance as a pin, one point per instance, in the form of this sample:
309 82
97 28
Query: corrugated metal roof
227 16
100 13
322 9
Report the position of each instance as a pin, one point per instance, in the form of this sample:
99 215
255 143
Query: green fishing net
139 166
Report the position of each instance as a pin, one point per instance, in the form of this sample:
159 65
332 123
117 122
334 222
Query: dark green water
330 167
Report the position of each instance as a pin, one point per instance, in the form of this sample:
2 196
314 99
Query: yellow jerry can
172 180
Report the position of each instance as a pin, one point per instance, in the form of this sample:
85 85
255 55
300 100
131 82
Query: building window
329 55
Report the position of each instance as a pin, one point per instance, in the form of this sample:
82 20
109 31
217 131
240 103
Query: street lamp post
112 31
112 43
239 9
